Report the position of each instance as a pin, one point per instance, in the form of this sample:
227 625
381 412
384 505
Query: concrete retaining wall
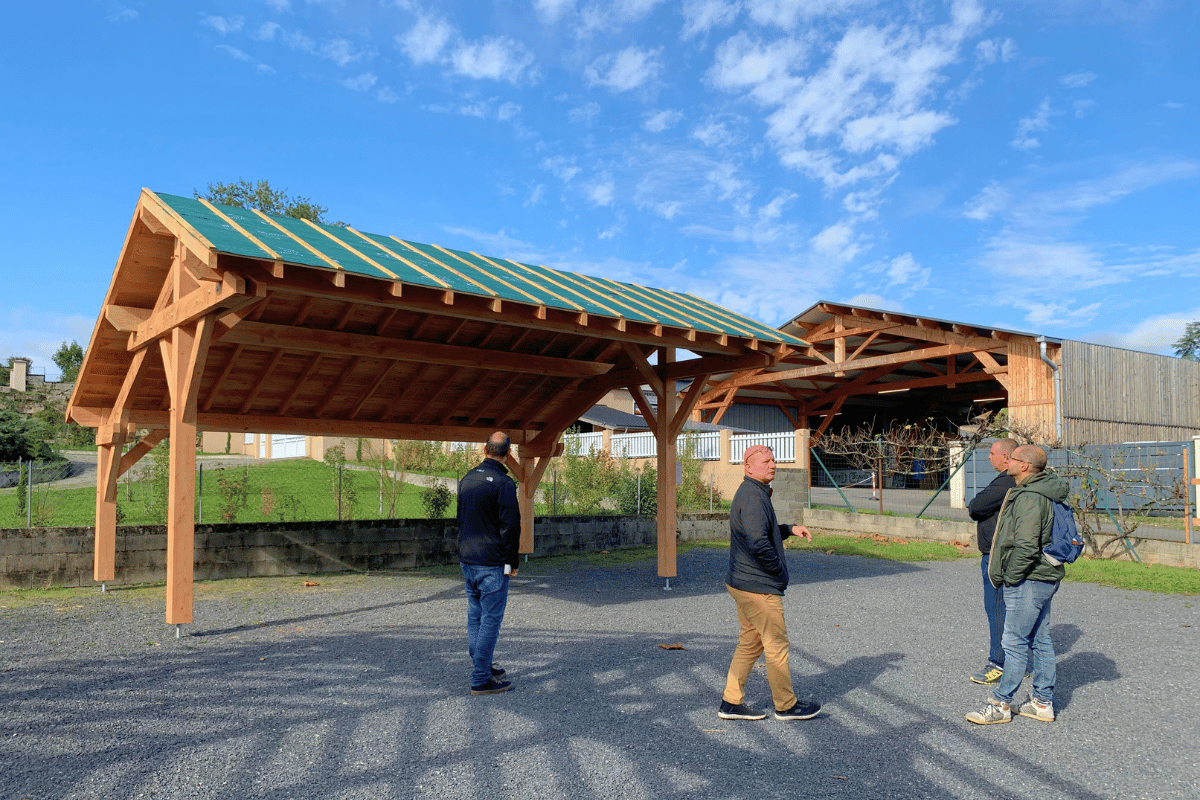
63 556
1151 551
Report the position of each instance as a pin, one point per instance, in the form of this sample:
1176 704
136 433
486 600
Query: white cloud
266 32
233 51
1155 334
624 70
602 191
991 199
585 113
362 83
118 12
299 41
508 111
1028 264
495 58
787 13
1081 107
872 98
989 51
1038 122
340 52
536 195
701 16
425 41
1077 80
222 25
838 242
279 5
715 132
553 10
659 121
904 271
561 167
743 61
386 95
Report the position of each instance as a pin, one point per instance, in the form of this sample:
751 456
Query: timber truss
224 319
872 359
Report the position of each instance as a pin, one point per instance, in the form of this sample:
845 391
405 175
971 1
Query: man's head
1002 450
497 446
1025 461
759 463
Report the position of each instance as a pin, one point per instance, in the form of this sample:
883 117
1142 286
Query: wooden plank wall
1031 390
1112 395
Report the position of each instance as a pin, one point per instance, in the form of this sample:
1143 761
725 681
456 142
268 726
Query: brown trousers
763 632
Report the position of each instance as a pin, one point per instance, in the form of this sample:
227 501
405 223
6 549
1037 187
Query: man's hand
513 573
800 530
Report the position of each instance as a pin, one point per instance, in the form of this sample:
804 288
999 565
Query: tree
260 195
69 358
1188 345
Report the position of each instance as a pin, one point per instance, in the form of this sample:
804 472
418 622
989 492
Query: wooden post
525 495
666 468
181 505
104 556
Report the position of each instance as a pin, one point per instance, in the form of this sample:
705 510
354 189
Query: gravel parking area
357 688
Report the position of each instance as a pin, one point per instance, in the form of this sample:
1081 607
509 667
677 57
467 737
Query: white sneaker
1036 709
993 713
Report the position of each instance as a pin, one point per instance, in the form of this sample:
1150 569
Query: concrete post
958 484
18 374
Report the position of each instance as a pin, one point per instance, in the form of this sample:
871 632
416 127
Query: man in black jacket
489 536
757 578
983 508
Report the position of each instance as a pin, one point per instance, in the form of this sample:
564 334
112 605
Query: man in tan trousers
757 578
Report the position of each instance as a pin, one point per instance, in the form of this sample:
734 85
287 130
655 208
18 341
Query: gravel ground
357 688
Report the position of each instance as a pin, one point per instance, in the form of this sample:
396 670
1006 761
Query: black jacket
984 507
489 520
756 558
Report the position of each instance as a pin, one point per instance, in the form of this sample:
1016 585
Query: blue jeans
487 597
1026 626
993 606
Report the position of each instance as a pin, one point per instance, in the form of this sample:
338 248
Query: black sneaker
497 672
741 711
801 710
492 687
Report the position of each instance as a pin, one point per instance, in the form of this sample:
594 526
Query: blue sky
1021 164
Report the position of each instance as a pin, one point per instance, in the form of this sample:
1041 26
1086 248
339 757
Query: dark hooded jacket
984 508
756 558
1023 529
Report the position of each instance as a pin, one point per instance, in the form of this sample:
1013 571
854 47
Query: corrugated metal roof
252 234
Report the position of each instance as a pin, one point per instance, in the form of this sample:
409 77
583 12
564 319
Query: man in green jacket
1029 582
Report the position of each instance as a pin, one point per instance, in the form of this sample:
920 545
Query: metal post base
103 587
178 631
667 588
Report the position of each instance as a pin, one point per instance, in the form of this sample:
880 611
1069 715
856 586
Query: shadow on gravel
281 623
701 572
386 714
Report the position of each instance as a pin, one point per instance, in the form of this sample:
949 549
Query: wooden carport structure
873 365
228 319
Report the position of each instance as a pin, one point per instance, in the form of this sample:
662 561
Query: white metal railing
783 445
705 446
634 445
589 443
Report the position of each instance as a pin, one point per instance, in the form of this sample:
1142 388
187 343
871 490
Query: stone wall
63 556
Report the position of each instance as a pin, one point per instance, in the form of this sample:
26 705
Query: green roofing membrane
484 276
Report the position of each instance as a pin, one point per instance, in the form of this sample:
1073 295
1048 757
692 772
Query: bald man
489 536
984 508
757 579
1029 580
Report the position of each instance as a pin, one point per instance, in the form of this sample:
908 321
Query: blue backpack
1066 543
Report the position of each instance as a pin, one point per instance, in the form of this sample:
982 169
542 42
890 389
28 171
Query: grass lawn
293 489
